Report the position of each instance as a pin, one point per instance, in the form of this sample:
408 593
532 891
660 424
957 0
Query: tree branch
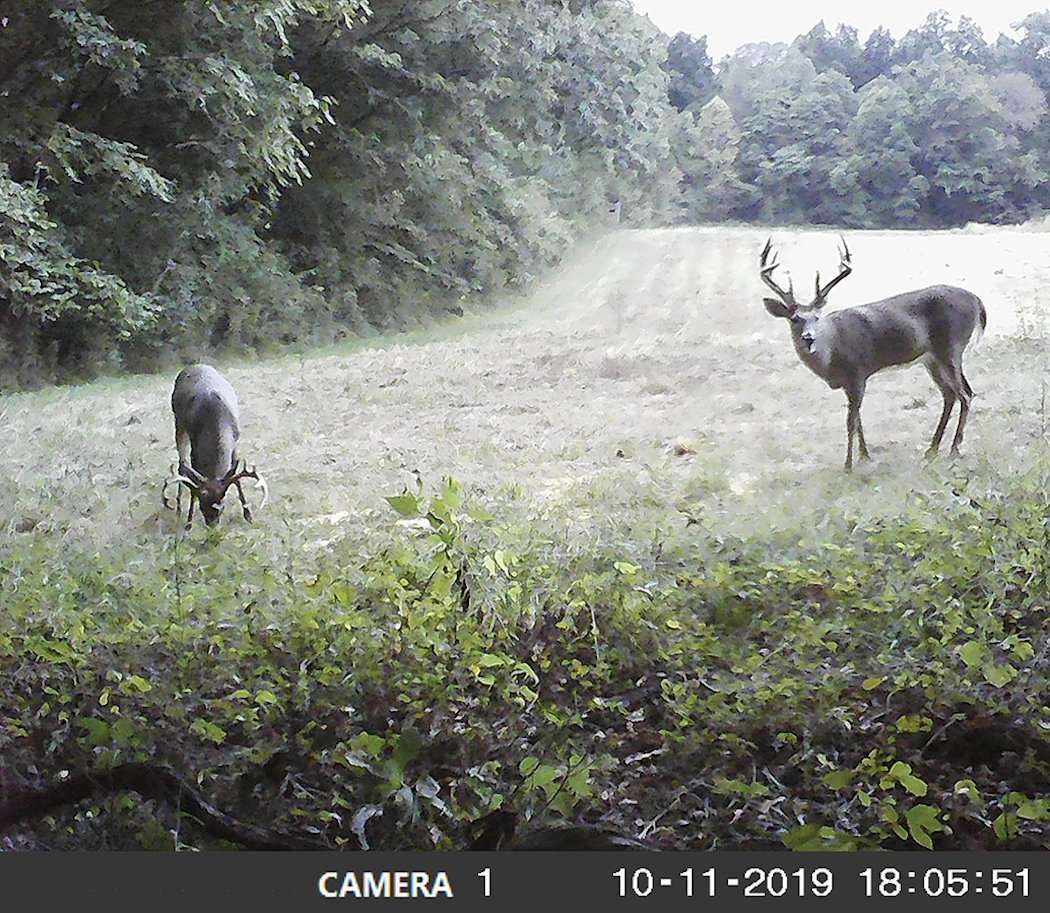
153 782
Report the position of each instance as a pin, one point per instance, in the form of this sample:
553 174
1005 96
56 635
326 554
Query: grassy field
665 520
648 370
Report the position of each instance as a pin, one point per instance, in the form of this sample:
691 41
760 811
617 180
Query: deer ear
777 308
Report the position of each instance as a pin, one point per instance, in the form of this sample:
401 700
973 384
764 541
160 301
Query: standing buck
846 347
207 426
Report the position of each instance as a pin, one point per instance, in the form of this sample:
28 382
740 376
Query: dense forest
238 177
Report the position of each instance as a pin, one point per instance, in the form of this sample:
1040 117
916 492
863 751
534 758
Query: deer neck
213 450
816 357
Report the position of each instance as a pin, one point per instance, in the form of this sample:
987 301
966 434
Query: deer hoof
248 515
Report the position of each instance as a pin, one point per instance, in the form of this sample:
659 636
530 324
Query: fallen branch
152 782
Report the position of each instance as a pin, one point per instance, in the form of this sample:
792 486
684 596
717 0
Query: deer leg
864 455
949 403
854 397
182 444
244 502
852 413
189 516
946 412
965 394
964 410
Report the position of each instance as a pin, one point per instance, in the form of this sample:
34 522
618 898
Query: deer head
804 318
210 493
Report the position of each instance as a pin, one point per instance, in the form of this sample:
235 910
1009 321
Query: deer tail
982 323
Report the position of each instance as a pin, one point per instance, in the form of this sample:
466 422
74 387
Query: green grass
887 688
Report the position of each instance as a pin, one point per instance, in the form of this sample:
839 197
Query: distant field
647 372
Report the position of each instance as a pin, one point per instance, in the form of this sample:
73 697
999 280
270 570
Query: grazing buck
207 426
846 347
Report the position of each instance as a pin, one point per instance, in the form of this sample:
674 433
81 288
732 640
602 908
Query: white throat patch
817 350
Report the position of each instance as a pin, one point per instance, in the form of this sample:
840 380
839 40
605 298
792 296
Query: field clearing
681 622
646 376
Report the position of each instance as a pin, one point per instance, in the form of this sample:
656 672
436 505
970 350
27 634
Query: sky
733 24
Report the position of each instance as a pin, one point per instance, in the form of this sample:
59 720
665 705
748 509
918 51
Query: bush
885 689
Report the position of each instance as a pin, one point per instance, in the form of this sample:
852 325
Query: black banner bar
526 882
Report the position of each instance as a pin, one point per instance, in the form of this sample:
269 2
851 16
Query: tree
712 190
1021 101
967 42
234 175
1031 54
140 152
930 37
840 52
469 150
876 59
755 72
878 176
237 176
794 124
966 149
936 35
692 80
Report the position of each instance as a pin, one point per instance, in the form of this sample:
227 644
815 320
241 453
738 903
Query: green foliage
52 298
880 177
937 36
244 176
249 176
692 79
935 130
137 156
973 164
839 697
840 52
710 147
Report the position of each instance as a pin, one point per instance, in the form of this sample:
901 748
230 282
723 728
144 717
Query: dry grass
646 378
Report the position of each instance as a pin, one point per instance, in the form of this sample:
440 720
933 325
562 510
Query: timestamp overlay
512 881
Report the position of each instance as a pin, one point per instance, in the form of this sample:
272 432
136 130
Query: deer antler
768 264
245 473
845 269
182 476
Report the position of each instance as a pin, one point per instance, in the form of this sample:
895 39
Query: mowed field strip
644 377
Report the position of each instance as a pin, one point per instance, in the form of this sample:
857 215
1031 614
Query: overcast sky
733 24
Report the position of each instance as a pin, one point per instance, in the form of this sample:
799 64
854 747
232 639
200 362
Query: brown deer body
207 428
846 347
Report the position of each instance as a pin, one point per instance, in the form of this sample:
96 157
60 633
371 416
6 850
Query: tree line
185 176
937 129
